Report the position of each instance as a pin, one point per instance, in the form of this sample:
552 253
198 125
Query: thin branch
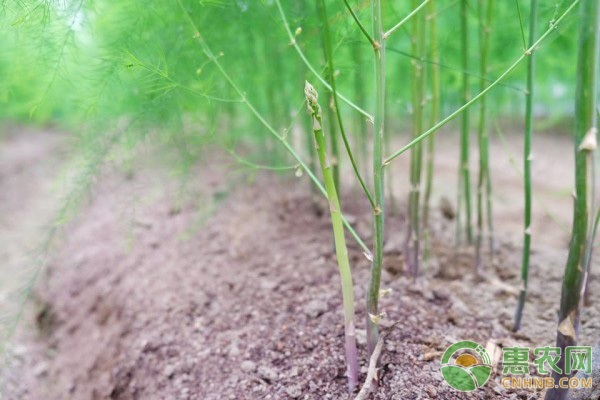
451 68
521 24
250 164
409 16
360 25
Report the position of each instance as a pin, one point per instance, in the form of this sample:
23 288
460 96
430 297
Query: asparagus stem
434 116
312 162
527 157
482 134
464 180
418 96
328 54
341 250
378 178
335 152
585 145
521 25
361 123
392 204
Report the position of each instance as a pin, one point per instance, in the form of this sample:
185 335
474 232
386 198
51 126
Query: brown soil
236 295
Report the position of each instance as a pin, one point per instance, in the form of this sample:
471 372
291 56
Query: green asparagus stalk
338 232
418 97
434 116
482 134
585 146
329 76
527 157
378 178
464 180
361 122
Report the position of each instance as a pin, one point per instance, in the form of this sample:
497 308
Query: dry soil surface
230 290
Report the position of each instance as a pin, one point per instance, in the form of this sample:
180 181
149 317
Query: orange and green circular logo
466 366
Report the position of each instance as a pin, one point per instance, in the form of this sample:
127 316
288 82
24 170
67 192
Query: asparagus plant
585 146
418 98
484 181
464 179
338 232
378 203
329 76
527 158
378 177
434 116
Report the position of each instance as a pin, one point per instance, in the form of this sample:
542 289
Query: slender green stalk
310 151
210 55
392 204
359 24
312 163
434 116
521 25
331 111
488 200
361 123
496 82
341 250
336 107
333 141
527 157
416 157
378 180
464 180
585 146
484 181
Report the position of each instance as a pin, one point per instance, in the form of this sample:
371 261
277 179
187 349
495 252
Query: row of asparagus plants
581 245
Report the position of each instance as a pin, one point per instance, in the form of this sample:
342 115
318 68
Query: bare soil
230 290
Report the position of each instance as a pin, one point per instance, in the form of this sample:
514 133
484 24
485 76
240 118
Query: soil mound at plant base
243 302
